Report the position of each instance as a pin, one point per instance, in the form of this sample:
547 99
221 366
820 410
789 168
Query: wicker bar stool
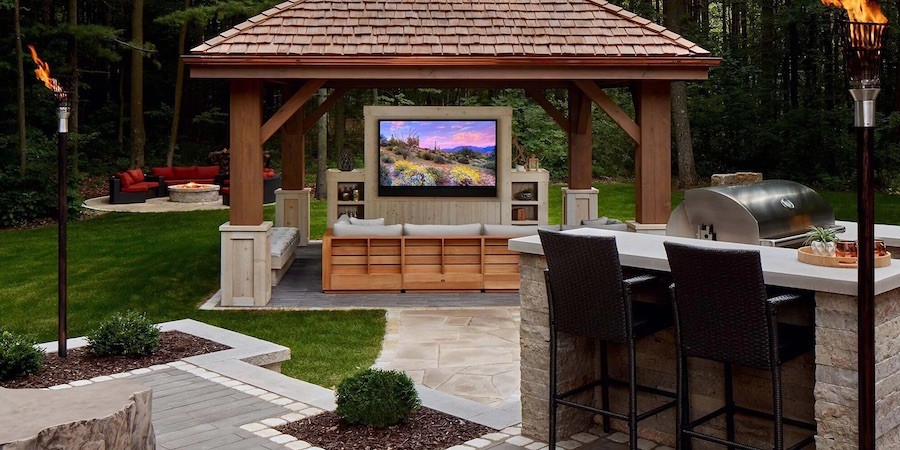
588 296
723 313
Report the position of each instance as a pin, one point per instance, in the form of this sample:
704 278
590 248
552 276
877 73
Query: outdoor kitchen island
820 388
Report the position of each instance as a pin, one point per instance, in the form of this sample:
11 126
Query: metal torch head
63 101
863 43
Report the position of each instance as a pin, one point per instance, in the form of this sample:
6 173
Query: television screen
436 158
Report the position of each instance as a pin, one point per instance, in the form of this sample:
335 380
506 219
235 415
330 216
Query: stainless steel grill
774 213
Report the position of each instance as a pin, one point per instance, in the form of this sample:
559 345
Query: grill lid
750 213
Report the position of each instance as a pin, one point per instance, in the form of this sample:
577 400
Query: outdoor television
437 158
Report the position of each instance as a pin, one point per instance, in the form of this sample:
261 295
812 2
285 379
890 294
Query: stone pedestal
579 204
110 415
246 264
658 229
292 210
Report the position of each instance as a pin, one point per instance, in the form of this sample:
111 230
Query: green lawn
166 264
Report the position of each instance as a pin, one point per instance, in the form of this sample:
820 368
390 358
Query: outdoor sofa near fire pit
271 183
172 175
133 186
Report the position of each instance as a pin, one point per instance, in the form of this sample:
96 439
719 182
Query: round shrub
18 356
129 334
377 398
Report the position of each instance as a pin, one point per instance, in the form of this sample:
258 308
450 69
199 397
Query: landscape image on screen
438 153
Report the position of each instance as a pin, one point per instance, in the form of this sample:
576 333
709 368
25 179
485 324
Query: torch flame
866 11
42 72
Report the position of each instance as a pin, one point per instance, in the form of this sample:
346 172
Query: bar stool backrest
720 304
585 289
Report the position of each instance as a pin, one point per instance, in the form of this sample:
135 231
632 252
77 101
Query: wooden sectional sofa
418 263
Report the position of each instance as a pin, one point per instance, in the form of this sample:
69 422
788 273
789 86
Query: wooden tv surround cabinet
418 263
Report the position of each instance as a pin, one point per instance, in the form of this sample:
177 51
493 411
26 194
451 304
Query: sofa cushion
343 219
516 230
346 229
209 172
471 229
165 172
137 175
137 187
367 222
124 179
147 184
184 172
268 173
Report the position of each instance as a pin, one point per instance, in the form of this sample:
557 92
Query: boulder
728 179
109 415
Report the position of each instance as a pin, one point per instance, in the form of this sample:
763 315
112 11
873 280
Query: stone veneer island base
819 387
110 415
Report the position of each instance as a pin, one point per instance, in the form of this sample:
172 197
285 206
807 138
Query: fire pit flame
193 185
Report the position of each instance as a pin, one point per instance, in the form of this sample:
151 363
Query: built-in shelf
350 202
532 211
345 182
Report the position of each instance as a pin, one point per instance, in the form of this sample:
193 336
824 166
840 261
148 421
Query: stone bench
283 241
110 415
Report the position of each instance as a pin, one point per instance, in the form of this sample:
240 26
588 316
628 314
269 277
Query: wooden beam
611 108
310 120
653 158
580 148
538 96
293 151
288 109
245 119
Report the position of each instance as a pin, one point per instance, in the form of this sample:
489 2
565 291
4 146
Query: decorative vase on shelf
346 163
520 167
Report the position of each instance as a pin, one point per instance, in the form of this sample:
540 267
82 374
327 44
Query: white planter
823 248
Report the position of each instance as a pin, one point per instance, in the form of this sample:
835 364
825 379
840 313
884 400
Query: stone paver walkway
470 353
153 205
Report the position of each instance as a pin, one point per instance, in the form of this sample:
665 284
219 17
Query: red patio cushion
207 172
137 175
148 184
268 173
139 187
124 179
165 172
184 173
225 190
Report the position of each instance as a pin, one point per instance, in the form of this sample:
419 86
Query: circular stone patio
153 205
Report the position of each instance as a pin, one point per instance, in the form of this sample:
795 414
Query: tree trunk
179 90
120 137
20 91
322 149
74 96
138 135
687 171
340 115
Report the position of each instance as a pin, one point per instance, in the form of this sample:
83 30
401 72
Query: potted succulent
822 241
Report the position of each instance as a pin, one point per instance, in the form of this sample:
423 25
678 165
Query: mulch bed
81 364
427 429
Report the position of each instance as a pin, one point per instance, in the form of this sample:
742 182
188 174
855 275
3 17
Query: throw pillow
137 175
343 219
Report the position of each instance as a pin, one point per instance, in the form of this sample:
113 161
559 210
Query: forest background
777 104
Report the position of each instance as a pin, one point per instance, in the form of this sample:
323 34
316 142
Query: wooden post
580 173
246 152
653 158
293 149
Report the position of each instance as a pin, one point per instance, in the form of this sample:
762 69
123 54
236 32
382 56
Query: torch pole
62 221
864 105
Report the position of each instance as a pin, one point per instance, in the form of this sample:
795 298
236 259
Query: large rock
728 179
110 415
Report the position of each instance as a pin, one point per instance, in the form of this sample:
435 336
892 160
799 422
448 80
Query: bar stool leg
632 396
729 403
779 410
553 389
683 413
604 387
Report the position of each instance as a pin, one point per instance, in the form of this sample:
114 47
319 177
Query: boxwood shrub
18 356
377 398
129 334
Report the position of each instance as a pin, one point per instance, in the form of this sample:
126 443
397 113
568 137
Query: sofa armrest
162 190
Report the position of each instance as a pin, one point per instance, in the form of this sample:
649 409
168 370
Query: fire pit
194 193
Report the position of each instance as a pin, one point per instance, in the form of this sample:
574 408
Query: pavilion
583 46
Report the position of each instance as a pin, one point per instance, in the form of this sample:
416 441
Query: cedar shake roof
449 28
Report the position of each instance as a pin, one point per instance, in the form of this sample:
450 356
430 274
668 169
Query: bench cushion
471 229
282 242
346 229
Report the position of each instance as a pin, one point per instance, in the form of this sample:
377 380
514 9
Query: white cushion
343 219
347 229
282 241
516 230
355 221
472 229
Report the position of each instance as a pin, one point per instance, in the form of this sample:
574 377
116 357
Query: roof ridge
235 30
662 31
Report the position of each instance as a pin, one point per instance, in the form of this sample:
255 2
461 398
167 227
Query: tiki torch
863 42
42 72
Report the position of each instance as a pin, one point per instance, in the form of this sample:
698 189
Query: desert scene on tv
438 152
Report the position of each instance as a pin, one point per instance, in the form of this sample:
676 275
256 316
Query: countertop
890 234
780 265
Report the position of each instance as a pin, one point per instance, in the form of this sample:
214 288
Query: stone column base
292 210
658 229
579 204
246 264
